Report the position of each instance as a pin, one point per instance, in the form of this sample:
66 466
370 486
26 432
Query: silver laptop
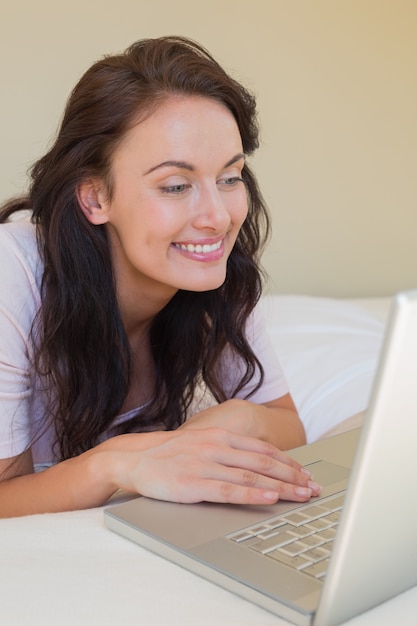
348 550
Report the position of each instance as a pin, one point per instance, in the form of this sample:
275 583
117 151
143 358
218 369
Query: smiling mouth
199 248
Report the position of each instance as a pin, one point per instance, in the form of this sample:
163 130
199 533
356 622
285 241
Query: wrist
113 462
100 473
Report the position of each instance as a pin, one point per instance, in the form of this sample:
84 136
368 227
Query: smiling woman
133 355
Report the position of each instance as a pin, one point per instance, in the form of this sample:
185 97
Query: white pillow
328 349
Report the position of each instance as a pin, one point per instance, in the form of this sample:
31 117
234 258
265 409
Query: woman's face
178 200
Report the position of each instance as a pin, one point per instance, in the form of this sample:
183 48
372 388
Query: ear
91 197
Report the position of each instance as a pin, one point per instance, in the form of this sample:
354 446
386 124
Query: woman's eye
230 182
174 189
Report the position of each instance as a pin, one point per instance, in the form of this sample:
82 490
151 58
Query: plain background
336 82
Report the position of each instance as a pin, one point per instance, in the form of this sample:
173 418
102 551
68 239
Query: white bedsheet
67 569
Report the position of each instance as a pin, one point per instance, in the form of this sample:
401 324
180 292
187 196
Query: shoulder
20 267
19 234
18 247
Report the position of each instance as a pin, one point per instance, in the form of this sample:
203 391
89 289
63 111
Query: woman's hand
276 421
211 464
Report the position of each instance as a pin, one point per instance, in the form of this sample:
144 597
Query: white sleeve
19 301
274 384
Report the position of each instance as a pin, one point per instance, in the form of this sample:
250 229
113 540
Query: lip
202 249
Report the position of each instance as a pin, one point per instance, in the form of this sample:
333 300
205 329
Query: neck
138 311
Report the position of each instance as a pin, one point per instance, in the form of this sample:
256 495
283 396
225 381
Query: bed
68 569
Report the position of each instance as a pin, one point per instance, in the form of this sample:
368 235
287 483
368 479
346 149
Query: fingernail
304 492
315 486
305 471
271 496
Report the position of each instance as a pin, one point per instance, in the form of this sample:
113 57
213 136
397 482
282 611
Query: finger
263 465
253 480
232 450
227 492
251 444
221 436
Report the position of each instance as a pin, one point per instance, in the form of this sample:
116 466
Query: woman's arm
276 422
186 465
282 423
65 486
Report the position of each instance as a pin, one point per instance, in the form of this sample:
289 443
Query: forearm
85 481
281 427
78 483
276 422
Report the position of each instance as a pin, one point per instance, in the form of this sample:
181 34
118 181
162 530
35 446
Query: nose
212 212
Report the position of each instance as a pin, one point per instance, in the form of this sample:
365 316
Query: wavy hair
81 346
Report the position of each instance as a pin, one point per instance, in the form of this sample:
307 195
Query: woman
132 354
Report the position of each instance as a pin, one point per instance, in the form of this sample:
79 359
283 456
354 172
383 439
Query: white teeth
199 248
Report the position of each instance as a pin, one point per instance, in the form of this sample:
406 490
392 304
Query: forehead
182 127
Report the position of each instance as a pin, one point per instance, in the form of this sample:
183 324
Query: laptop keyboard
302 538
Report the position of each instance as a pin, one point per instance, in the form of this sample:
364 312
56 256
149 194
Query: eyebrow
183 165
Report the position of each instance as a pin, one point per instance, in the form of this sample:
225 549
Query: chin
204 285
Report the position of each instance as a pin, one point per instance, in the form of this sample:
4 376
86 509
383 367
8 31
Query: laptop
356 548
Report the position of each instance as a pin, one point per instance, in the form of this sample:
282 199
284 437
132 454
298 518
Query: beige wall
337 88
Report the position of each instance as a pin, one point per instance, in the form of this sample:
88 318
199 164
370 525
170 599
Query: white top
21 405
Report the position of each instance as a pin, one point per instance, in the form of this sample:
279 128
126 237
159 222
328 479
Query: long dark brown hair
81 348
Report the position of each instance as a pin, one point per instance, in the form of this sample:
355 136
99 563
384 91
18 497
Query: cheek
147 220
240 209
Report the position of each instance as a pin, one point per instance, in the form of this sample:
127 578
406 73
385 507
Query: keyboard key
293 561
318 570
328 506
327 533
315 555
334 517
295 548
319 524
327 547
296 519
241 536
276 522
314 511
275 542
312 541
267 534
302 531
257 530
